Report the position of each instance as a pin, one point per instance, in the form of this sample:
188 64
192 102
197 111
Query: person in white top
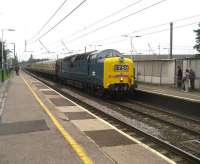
187 80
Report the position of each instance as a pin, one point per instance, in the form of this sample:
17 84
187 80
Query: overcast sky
28 16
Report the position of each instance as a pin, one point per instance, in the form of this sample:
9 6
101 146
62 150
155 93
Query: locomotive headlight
93 73
121 79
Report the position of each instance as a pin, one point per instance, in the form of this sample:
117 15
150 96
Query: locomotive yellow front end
119 75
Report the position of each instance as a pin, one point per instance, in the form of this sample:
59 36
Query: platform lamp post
13 52
131 42
2 56
13 48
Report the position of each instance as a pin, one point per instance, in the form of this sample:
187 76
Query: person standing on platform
192 79
17 70
187 80
179 77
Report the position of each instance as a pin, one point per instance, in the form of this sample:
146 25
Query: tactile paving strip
41 86
23 127
61 102
49 93
108 138
79 115
90 125
36 82
65 109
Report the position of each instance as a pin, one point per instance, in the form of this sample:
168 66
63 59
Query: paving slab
61 102
41 86
133 154
90 125
36 148
65 109
22 127
108 137
79 115
49 92
27 134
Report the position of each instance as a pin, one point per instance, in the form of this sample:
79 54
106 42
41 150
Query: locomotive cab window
109 54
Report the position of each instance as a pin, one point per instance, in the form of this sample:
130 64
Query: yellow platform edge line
75 146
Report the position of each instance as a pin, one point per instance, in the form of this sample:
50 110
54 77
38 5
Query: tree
31 60
197 45
5 53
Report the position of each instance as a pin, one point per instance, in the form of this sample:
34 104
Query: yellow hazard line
75 146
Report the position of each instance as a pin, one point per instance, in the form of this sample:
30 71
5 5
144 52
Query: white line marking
43 89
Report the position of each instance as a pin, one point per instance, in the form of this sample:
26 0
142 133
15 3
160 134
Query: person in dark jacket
179 77
17 70
192 79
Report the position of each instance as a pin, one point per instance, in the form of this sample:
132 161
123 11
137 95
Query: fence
5 75
165 71
155 71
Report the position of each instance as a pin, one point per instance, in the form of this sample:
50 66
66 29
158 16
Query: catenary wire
149 28
106 17
145 29
52 16
155 32
151 33
177 20
165 24
44 34
118 20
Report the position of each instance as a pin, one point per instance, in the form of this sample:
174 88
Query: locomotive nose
118 72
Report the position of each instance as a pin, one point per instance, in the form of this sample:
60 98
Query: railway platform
171 91
38 125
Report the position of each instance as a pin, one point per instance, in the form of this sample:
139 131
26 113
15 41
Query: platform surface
192 95
28 136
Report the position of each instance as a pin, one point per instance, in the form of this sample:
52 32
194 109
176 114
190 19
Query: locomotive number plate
121 67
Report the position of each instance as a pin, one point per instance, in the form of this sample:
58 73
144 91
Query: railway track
178 131
156 130
179 122
164 111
